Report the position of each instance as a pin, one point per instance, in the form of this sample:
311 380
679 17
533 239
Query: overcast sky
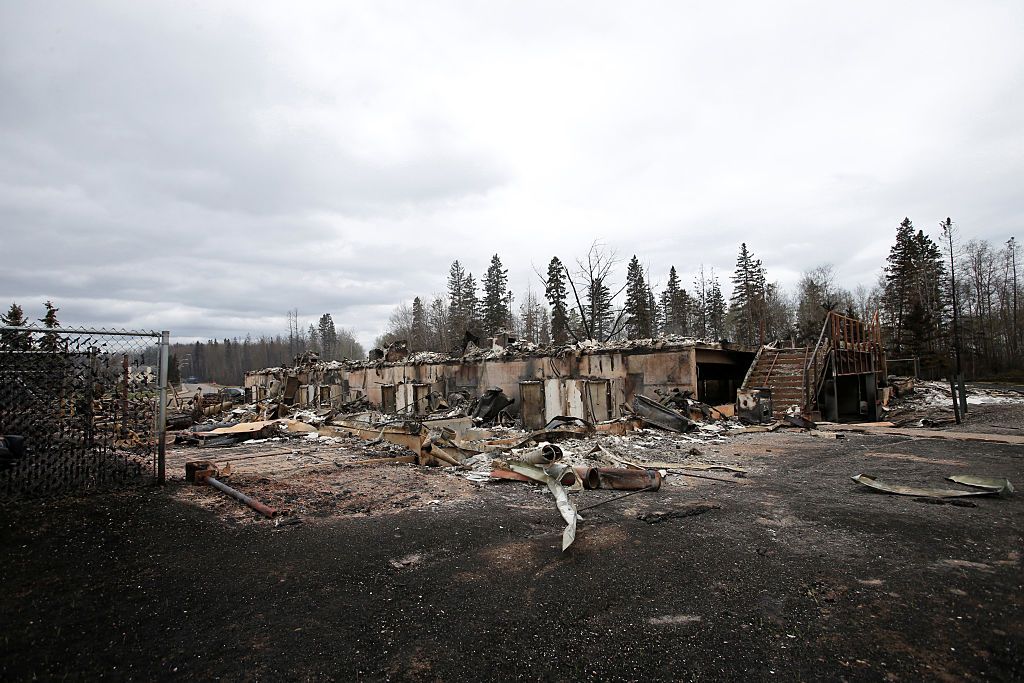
204 167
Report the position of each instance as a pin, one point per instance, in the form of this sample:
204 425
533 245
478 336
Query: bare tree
400 325
599 319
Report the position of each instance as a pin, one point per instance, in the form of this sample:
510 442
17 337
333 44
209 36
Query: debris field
744 550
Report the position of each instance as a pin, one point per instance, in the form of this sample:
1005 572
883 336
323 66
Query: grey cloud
207 168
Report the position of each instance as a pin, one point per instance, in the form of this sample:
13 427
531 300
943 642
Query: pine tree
899 281
913 301
495 305
473 307
652 306
418 342
716 309
747 304
312 341
638 302
675 306
599 308
328 337
458 317
49 341
9 339
928 295
556 293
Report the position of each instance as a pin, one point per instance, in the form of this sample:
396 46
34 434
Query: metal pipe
546 454
241 497
628 480
589 477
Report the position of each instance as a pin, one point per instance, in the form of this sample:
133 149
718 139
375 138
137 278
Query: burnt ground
798 573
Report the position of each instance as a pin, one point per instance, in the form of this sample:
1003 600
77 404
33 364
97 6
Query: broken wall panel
554 399
531 400
598 392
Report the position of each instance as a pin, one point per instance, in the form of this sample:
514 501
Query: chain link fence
90 404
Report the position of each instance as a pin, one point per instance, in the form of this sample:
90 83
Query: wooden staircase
782 371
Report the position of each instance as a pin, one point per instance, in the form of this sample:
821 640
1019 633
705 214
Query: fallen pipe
588 476
628 480
543 455
259 507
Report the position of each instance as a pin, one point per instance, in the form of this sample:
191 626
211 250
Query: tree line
933 299
226 361
937 300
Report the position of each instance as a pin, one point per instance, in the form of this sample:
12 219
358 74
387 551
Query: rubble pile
504 347
482 441
912 395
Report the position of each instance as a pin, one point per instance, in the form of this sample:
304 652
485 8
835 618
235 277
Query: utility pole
1012 244
947 232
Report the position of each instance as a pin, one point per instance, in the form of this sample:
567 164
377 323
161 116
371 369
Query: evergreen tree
418 342
747 304
913 300
556 293
9 339
312 342
50 341
198 361
458 317
715 309
899 282
652 306
638 311
675 306
599 308
927 329
473 307
328 337
496 311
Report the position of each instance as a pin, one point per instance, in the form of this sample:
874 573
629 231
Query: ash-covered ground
789 571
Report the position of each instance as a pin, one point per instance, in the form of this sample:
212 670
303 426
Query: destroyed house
841 378
588 380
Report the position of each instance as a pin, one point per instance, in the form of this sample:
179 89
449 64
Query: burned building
842 378
587 380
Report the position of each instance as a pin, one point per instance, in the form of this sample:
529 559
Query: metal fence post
165 346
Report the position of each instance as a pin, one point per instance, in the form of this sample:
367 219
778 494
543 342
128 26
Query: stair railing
768 375
820 363
750 370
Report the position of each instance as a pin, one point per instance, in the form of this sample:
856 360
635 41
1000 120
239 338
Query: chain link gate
91 405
